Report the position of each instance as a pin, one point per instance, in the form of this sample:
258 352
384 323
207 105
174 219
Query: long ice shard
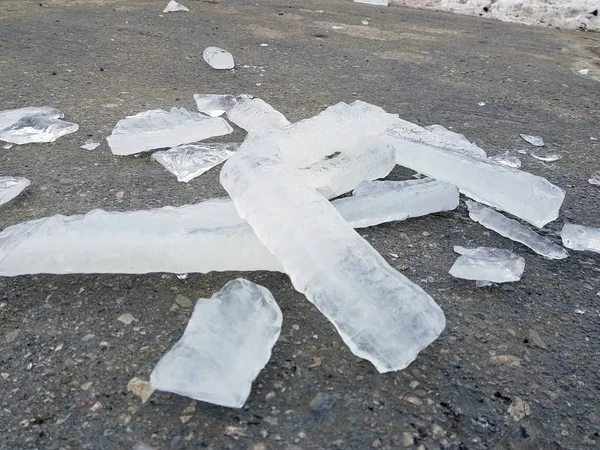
522 194
578 237
226 343
10 187
512 229
379 313
157 128
487 264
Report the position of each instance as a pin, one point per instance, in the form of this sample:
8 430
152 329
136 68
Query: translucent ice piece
226 343
90 145
11 116
456 138
217 58
536 141
214 105
380 314
512 229
391 202
173 6
10 187
506 160
578 237
159 129
522 194
487 264
482 283
189 161
547 158
256 116
35 129
373 2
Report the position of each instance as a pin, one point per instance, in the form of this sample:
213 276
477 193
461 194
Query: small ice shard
173 6
256 116
481 104
385 201
487 264
456 139
547 158
373 2
512 229
10 187
578 237
10 116
189 161
483 283
214 105
595 179
364 22
182 276
217 58
7 146
90 145
522 194
226 343
584 71
337 27
506 160
380 314
158 128
536 141
36 129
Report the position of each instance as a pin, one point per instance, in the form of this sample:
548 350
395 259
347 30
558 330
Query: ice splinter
487 264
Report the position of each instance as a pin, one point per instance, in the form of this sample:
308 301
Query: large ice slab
512 229
256 116
214 105
385 201
487 264
189 161
158 128
37 129
9 117
226 343
521 194
10 187
217 58
379 313
578 237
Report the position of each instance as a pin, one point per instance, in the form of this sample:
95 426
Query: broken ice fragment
506 160
522 194
584 71
256 116
226 343
512 229
380 314
536 141
214 105
173 6
487 264
10 116
90 145
159 129
35 129
217 58
7 146
10 187
547 158
578 237
384 201
483 283
595 179
456 139
373 2
189 161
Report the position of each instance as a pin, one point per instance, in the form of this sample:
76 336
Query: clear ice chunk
10 116
578 237
521 194
158 128
189 161
487 264
173 6
217 58
373 2
513 230
90 145
214 105
536 141
384 201
456 139
226 343
10 187
506 160
256 116
547 158
381 315
36 129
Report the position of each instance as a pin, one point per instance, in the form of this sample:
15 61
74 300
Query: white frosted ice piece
10 116
214 105
189 161
373 2
256 116
456 139
487 264
506 160
158 128
173 6
383 201
226 343
217 58
595 179
536 141
10 187
36 129
512 229
522 194
380 314
578 237
547 158
90 145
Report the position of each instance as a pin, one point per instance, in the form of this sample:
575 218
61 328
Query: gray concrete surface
101 60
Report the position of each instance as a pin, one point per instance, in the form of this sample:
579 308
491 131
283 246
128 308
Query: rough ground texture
518 365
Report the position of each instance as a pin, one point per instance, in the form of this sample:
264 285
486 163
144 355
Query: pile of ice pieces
279 218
